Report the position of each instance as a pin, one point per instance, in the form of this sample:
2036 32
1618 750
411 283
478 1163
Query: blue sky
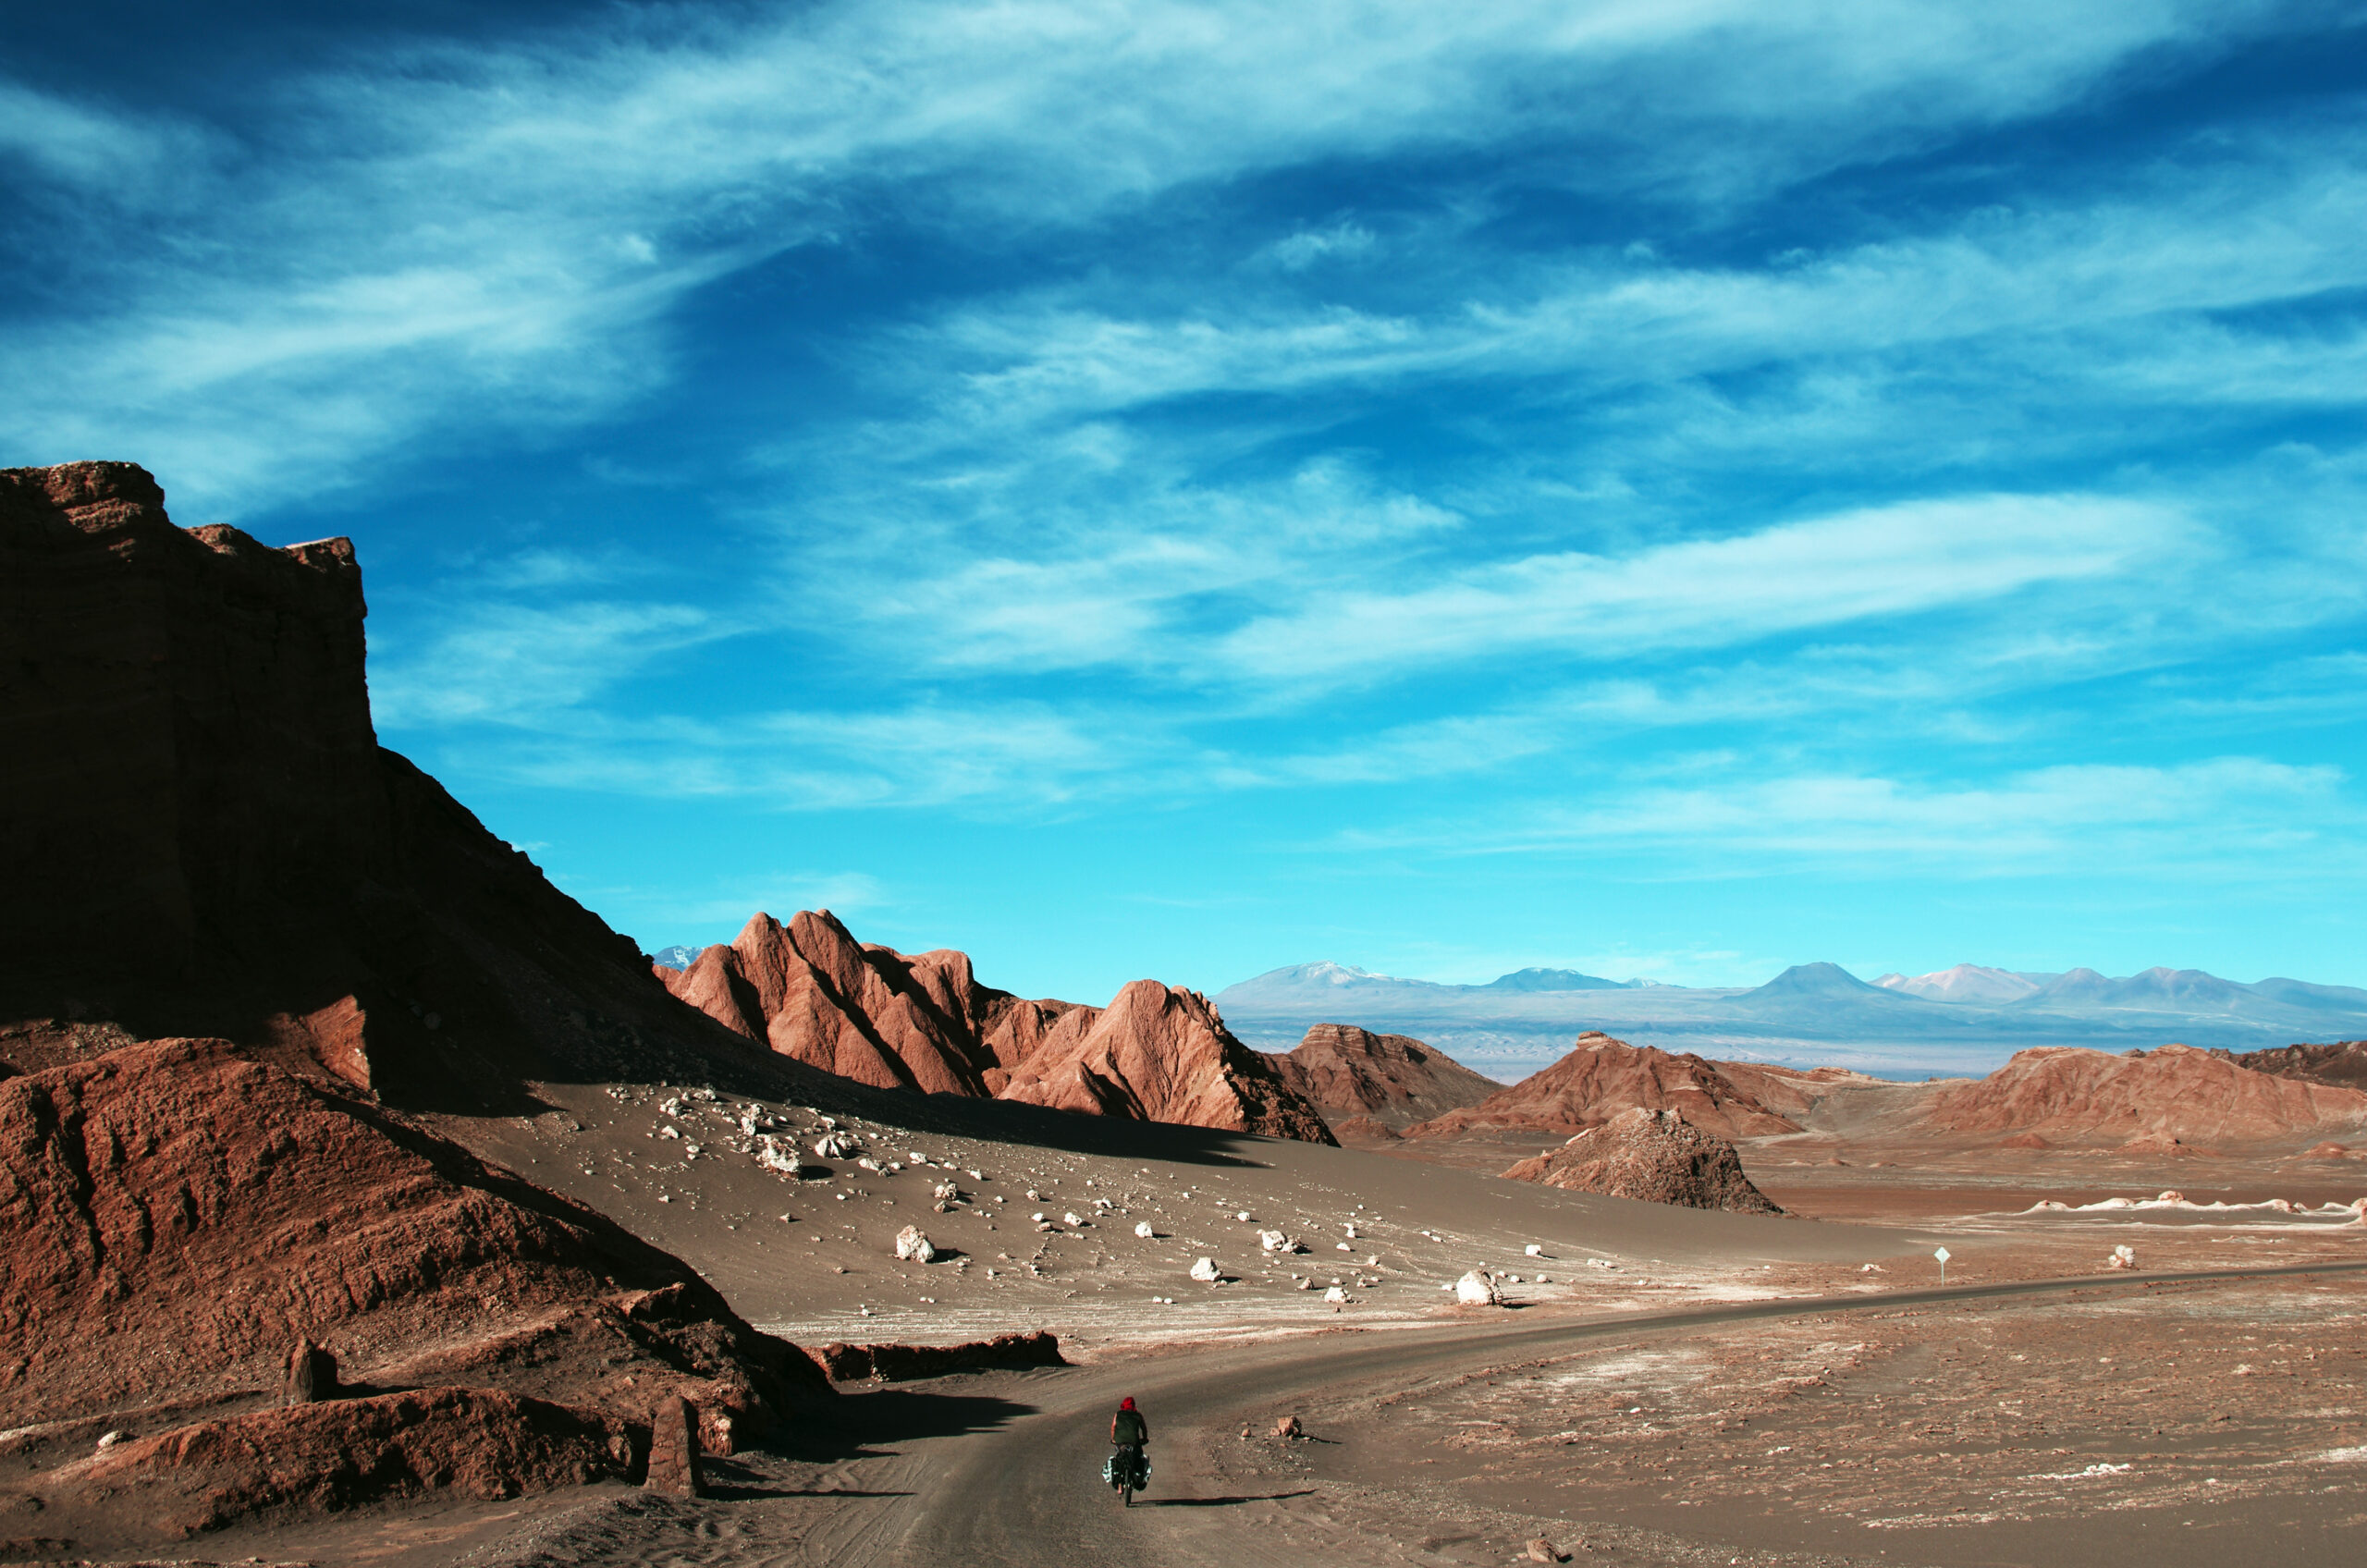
1668 489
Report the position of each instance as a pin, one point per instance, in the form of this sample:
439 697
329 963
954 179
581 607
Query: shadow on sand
1221 1502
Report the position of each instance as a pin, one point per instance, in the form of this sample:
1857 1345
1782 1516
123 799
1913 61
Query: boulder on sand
1651 1156
913 1247
1476 1288
1205 1270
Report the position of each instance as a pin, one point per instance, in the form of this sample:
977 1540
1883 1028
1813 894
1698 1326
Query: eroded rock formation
1391 1080
180 1216
1602 1078
809 990
1653 1157
1158 1053
2340 1065
221 848
2175 1092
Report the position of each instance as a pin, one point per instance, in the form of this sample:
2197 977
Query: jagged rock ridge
809 990
2342 1064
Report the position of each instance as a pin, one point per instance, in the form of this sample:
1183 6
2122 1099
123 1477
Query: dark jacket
1128 1427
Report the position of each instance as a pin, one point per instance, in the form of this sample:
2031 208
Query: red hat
1127 1403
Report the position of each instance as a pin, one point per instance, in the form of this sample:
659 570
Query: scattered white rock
835 1146
1070 1219
1343 1246
1605 1263
1336 1294
1871 1268
945 1192
1475 1288
2123 1256
1142 1228
773 1155
1535 1251
871 1165
913 1247
1272 1240
1242 1216
108 1440
1205 1270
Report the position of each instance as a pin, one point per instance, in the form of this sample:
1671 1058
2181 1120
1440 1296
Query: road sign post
1943 1255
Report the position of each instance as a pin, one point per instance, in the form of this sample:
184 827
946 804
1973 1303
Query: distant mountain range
1964 1019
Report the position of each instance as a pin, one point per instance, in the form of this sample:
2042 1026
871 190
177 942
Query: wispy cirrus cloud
502 228
2227 812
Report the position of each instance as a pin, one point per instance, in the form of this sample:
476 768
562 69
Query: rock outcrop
219 847
896 1363
2069 1095
1393 1080
1653 1157
2340 1065
919 1021
479 1444
1602 1078
809 990
1158 1053
179 1216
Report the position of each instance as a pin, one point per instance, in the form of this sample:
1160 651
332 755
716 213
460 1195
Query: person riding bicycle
1129 1432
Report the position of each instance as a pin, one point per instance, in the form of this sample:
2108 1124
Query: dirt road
1027 1490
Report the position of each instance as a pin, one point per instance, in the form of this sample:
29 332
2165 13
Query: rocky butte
1382 1082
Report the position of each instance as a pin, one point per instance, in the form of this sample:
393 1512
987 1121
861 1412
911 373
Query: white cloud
502 662
1904 559
438 237
2237 813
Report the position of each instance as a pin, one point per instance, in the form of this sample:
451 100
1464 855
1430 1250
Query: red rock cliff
200 835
